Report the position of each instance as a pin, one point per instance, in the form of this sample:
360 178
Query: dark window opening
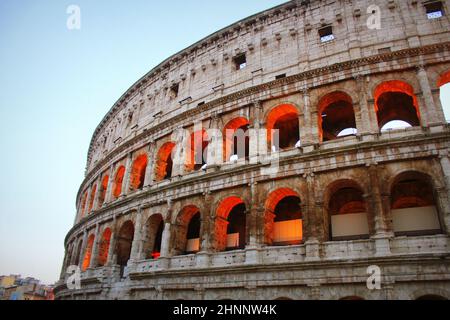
288 127
326 34
236 225
174 91
241 142
434 10
280 76
240 61
156 252
194 227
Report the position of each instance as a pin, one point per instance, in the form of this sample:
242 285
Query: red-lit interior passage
138 172
164 161
118 182
283 118
236 139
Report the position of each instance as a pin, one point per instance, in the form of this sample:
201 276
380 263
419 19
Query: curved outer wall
286 65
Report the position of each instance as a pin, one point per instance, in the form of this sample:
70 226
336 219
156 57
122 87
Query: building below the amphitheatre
296 154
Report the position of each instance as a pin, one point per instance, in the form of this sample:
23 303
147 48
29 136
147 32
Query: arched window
336 116
104 188
283 127
124 242
396 101
413 205
154 231
118 182
138 172
91 201
197 151
236 139
88 253
187 234
230 224
347 211
283 218
164 162
103 249
444 88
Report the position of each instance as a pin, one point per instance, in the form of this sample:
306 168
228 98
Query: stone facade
141 201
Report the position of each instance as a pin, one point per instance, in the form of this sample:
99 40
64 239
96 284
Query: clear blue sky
55 87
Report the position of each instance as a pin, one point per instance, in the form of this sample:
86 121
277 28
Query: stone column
88 200
94 253
215 157
206 232
428 109
181 137
252 217
306 129
127 176
112 244
110 186
309 216
255 132
369 120
97 194
152 153
378 212
136 246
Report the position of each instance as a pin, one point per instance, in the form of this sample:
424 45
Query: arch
197 150
230 224
431 297
187 231
347 211
153 236
91 201
236 138
395 100
124 241
164 161
413 204
88 253
103 249
118 182
444 93
283 218
103 190
283 118
137 176
335 115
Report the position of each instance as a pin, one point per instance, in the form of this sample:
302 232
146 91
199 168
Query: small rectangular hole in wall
200 103
434 10
240 61
280 76
174 91
326 34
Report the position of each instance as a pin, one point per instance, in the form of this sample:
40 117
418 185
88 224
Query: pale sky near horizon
55 87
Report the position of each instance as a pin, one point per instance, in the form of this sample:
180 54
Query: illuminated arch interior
154 230
118 182
336 116
284 120
103 249
138 172
197 150
187 235
236 139
104 188
395 101
164 162
88 253
230 224
124 242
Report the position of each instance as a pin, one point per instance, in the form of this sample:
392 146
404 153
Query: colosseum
263 162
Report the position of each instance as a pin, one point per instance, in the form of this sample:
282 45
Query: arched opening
431 297
236 139
88 253
395 101
187 235
164 162
197 151
336 116
91 201
444 91
154 231
347 211
118 182
83 203
413 205
138 172
283 127
124 242
283 218
104 188
230 224
103 249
